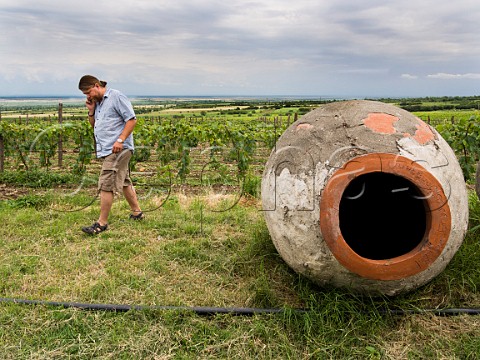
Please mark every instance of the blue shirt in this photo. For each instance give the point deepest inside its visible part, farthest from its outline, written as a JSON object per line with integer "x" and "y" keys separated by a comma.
{"x": 111, "y": 114}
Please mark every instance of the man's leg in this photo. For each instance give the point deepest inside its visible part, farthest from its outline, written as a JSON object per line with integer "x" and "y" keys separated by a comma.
{"x": 106, "y": 186}
{"x": 131, "y": 197}
{"x": 106, "y": 201}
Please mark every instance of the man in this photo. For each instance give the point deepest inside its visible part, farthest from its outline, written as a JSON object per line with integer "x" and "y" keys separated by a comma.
{"x": 112, "y": 117}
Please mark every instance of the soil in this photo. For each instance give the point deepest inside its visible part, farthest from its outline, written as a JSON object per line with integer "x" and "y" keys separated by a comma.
{"x": 11, "y": 192}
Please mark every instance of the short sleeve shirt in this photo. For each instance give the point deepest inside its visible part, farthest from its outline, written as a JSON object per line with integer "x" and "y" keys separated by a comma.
{"x": 111, "y": 115}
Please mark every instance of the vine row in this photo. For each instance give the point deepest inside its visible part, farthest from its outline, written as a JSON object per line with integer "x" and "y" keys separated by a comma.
{"x": 34, "y": 145}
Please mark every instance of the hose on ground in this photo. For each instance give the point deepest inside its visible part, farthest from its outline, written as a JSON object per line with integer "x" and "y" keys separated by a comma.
{"x": 200, "y": 310}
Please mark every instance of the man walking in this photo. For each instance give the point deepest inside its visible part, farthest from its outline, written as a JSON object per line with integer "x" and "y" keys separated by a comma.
{"x": 112, "y": 117}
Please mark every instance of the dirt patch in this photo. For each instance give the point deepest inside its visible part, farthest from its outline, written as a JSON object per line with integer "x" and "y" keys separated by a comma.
{"x": 12, "y": 192}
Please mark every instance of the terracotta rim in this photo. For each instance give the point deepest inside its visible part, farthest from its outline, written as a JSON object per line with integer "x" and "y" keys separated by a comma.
{"x": 437, "y": 214}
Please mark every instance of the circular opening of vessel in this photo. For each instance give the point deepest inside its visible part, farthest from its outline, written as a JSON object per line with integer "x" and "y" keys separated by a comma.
{"x": 382, "y": 216}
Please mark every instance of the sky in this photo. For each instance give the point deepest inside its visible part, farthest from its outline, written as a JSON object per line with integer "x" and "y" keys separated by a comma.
{"x": 337, "y": 48}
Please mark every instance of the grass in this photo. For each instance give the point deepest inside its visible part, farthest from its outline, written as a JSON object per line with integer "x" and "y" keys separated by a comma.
{"x": 185, "y": 254}
{"x": 443, "y": 116}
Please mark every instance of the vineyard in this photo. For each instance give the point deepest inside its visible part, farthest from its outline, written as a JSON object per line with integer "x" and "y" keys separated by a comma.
{"x": 221, "y": 148}
{"x": 194, "y": 145}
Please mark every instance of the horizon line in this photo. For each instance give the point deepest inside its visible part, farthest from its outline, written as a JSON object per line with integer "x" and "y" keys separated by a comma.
{"x": 210, "y": 96}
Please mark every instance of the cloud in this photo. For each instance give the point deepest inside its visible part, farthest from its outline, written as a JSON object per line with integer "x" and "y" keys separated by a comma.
{"x": 446, "y": 76}
{"x": 409, "y": 76}
{"x": 240, "y": 45}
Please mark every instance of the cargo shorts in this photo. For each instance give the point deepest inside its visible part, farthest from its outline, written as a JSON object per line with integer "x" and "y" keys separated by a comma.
{"x": 115, "y": 172}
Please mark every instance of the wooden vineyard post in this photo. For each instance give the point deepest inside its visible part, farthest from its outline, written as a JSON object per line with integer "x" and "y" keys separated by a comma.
{"x": 60, "y": 138}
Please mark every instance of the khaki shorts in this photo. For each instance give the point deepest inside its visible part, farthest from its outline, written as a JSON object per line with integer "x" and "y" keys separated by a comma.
{"x": 115, "y": 172}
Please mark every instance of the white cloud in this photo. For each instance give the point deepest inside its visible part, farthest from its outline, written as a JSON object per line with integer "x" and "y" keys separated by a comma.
{"x": 454, "y": 76}
{"x": 409, "y": 76}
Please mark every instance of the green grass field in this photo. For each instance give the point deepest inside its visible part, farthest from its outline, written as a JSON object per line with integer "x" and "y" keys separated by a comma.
{"x": 186, "y": 254}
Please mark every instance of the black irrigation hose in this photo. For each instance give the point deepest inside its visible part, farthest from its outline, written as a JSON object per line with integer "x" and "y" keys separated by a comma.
{"x": 440, "y": 312}
{"x": 199, "y": 310}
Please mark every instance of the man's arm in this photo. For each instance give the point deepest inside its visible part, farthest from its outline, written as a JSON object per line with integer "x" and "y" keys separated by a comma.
{"x": 91, "y": 111}
{"x": 91, "y": 119}
{"x": 127, "y": 130}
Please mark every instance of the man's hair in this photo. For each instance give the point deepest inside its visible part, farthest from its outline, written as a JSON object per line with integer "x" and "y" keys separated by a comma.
{"x": 89, "y": 81}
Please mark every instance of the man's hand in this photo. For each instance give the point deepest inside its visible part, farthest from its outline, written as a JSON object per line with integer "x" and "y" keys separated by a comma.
{"x": 117, "y": 147}
{"x": 90, "y": 103}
